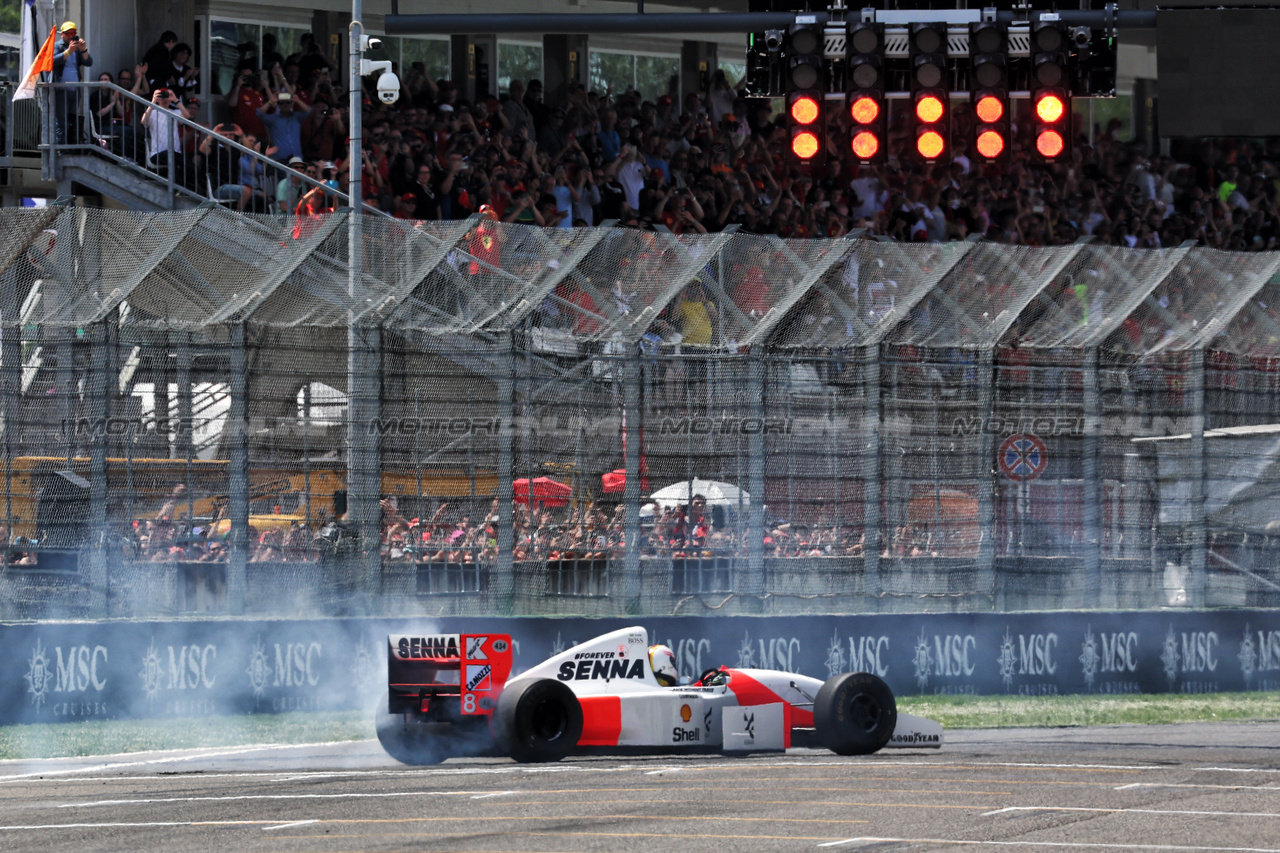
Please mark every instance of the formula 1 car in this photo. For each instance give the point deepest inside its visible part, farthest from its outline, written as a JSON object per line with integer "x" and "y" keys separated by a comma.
{"x": 449, "y": 696}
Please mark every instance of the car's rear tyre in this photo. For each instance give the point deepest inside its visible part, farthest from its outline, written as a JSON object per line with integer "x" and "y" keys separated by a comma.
{"x": 855, "y": 714}
{"x": 411, "y": 740}
{"x": 538, "y": 720}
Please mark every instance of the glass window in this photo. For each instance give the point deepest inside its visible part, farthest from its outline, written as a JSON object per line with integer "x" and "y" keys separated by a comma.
{"x": 733, "y": 70}
{"x": 288, "y": 40}
{"x": 611, "y": 69}
{"x": 653, "y": 75}
{"x": 432, "y": 53}
{"x": 518, "y": 62}
{"x": 229, "y": 43}
{"x": 10, "y": 18}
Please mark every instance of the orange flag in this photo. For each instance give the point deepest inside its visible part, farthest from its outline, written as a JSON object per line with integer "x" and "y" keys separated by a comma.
{"x": 43, "y": 62}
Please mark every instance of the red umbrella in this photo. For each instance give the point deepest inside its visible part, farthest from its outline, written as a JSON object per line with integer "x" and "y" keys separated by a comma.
{"x": 616, "y": 481}
{"x": 545, "y": 491}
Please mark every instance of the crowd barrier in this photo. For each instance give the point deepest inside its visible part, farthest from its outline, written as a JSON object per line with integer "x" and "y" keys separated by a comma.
{"x": 70, "y": 671}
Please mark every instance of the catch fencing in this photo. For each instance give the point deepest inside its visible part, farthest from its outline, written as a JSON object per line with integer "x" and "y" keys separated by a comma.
{"x": 207, "y": 412}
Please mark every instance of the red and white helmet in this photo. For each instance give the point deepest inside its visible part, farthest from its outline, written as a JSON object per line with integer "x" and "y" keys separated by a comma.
{"x": 663, "y": 661}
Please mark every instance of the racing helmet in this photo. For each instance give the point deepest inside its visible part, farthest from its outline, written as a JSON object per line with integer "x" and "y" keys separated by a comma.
{"x": 663, "y": 661}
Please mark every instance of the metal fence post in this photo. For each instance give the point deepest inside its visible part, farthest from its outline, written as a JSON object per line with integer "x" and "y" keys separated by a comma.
{"x": 238, "y": 463}
{"x": 871, "y": 478}
{"x": 985, "y": 570}
{"x": 97, "y": 402}
{"x": 754, "y": 582}
{"x": 1092, "y": 509}
{"x": 364, "y": 466}
{"x": 504, "y": 583}
{"x": 631, "y": 489}
{"x": 1197, "y": 581}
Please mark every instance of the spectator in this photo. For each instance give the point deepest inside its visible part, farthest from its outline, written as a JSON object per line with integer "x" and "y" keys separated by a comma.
{"x": 175, "y": 75}
{"x": 283, "y": 121}
{"x": 159, "y": 56}
{"x": 163, "y": 132}
{"x": 516, "y": 112}
{"x": 222, "y": 162}
{"x": 290, "y": 188}
{"x": 68, "y": 59}
{"x": 248, "y": 94}
{"x": 253, "y": 178}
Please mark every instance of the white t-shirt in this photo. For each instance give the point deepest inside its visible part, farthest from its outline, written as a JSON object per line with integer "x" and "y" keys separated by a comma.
{"x": 631, "y": 176}
{"x": 163, "y": 132}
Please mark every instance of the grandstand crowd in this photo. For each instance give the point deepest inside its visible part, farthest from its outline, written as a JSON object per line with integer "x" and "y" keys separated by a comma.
{"x": 697, "y": 164}
{"x": 585, "y": 531}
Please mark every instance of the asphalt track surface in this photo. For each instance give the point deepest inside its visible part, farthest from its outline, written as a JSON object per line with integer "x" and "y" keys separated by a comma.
{"x": 1199, "y": 787}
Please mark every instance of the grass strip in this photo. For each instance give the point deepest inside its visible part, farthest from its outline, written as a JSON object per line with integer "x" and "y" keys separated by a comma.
{"x": 109, "y": 737}
{"x": 995, "y": 712}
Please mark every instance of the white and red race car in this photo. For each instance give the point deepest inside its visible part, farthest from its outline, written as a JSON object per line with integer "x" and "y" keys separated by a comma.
{"x": 449, "y": 696}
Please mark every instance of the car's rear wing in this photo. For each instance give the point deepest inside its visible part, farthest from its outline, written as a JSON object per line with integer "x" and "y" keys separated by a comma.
{"x": 473, "y": 667}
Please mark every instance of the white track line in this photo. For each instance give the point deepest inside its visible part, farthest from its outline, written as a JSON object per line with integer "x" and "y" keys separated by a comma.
{"x": 288, "y": 825}
{"x": 1127, "y": 811}
{"x": 236, "y": 797}
{"x": 1133, "y": 785}
{"x": 1079, "y": 845}
{"x": 168, "y": 759}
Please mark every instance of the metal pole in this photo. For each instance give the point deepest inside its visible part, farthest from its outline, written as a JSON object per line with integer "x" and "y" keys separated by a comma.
{"x": 364, "y": 348}
{"x": 97, "y": 401}
{"x": 871, "y": 479}
{"x": 504, "y": 583}
{"x": 1090, "y": 474}
{"x": 238, "y": 473}
{"x": 631, "y": 494}
{"x": 754, "y": 583}
{"x": 1197, "y": 581}
{"x": 984, "y": 585}
{"x": 727, "y": 22}
{"x": 714, "y": 22}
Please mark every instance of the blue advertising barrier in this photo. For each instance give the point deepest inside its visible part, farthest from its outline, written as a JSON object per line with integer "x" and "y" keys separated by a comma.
{"x": 70, "y": 671}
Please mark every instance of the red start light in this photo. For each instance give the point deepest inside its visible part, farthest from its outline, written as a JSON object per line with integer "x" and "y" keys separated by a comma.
{"x": 930, "y": 144}
{"x": 804, "y": 145}
{"x": 989, "y": 109}
{"x": 990, "y": 144}
{"x": 865, "y": 110}
{"x": 929, "y": 109}
{"x": 1049, "y": 108}
{"x": 804, "y": 110}
{"x": 1049, "y": 143}
{"x": 865, "y": 145}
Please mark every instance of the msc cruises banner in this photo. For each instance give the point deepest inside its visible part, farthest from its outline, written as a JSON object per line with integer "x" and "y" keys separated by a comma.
{"x": 82, "y": 670}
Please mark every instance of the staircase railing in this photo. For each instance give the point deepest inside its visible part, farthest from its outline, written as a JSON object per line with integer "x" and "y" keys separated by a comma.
{"x": 125, "y": 144}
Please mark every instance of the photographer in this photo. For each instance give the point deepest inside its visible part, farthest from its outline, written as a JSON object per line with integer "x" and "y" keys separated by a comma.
{"x": 163, "y": 133}
{"x": 323, "y": 134}
{"x": 71, "y": 56}
{"x": 247, "y": 95}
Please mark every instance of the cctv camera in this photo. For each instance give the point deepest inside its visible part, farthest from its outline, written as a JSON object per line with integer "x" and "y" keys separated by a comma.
{"x": 388, "y": 88}
{"x": 1081, "y": 36}
{"x": 371, "y": 43}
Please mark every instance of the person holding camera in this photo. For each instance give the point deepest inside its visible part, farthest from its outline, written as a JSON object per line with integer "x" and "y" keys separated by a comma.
{"x": 164, "y": 134}
{"x": 284, "y": 121}
{"x": 70, "y": 57}
{"x": 247, "y": 95}
{"x": 323, "y": 134}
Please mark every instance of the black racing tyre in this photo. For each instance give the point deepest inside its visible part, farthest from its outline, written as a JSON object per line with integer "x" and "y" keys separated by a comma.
{"x": 538, "y": 720}
{"x": 411, "y": 740}
{"x": 854, "y": 714}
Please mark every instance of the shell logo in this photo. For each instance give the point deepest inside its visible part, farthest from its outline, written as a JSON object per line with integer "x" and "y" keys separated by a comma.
{"x": 686, "y": 713}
